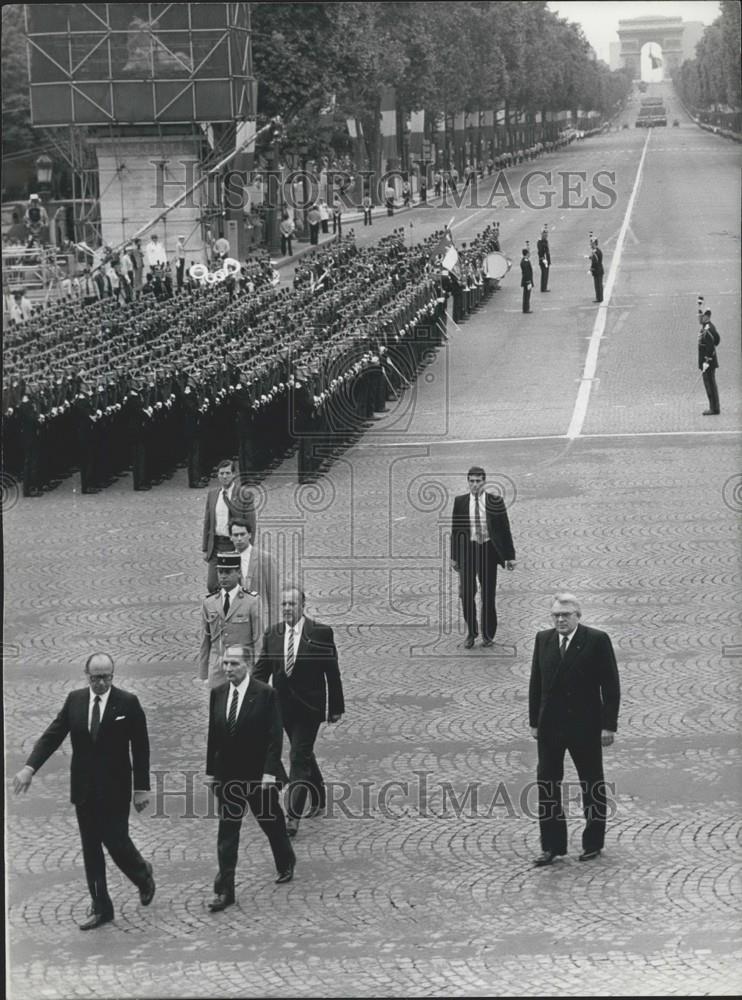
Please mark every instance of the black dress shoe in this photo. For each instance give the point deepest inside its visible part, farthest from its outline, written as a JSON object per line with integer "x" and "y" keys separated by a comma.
{"x": 488, "y": 642}
{"x": 589, "y": 855}
{"x": 469, "y": 642}
{"x": 147, "y": 890}
{"x": 286, "y": 875}
{"x": 545, "y": 858}
{"x": 221, "y": 901}
{"x": 711, "y": 413}
{"x": 97, "y": 920}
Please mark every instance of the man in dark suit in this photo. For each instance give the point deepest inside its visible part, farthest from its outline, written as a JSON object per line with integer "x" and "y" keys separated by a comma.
{"x": 573, "y": 701}
{"x": 596, "y": 268}
{"x": 229, "y": 499}
{"x": 300, "y": 655}
{"x": 243, "y": 767}
{"x": 544, "y": 258}
{"x": 526, "y": 278}
{"x": 108, "y": 730}
{"x": 480, "y": 542}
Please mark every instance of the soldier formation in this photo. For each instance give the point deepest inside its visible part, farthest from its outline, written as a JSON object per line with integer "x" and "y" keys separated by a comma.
{"x": 239, "y": 367}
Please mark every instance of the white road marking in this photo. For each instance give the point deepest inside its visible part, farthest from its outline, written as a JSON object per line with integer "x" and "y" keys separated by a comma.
{"x": 457, "y": 442}
{"x": 591, "y": 361}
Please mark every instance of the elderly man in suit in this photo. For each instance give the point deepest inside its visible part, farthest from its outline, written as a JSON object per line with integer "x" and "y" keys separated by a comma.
{"x": 480, "y": 542}
{"x": 573, "y": 701}
{"x": 258, "y": 573}
{"x": 224, "y": 502}
{"x": 229, "y": 617}
{"x": 243, "y": 763}
{"x": 108, "y": 731}
{"x": 300, "y": 655}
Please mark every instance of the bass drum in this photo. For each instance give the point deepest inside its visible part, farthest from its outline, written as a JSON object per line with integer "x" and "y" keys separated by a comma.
{"x": 496, "y": 265}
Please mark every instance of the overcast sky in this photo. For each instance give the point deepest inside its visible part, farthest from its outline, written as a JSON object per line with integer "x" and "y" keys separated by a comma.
{"x": 600, "y": 20}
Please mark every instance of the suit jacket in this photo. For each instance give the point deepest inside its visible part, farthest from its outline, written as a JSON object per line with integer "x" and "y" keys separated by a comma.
{"x": 241, "y": 627}
{"x": 241, "y": 505}
{"x": 498, "y": 526}
{"x": 526, "y": 273}
{"x": 254, "y": 749}
{"x": 596, "y": 261}
{"x": 100, "y": 770}
{"x": 314, "y": 688}
{"x": 542, "y": 247}
{"x": 262, "y": 579}
{"x": 587, "y": 682}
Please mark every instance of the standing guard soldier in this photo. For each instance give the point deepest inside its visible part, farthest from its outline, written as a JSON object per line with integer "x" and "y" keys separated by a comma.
{"x": 544, "y": 258}
{"x": 526, "y": 278}
{"x": 85, "y": 412}
{"x": 31, "y": 419}
{"x": 596, "y": 267}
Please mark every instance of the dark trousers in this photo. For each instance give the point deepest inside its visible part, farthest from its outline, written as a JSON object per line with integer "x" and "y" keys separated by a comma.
{"x": 101, "y": 826}
{"x": 313, "y": 233}
{"x": 235, "y": 797}
{"x": 544, "y": 277}
{"x": 179, "y": 272}
{"x": 285, "y": 246}
{"x": 305, "y": 776}
{"x": 598, "y": 282}
{"x": 221, "y": 544}
{"x": 479, "y": 564}
{"x": 390, "y": 208}
{"x": 367, "y": 217}
{"x": 587, "y": 756}
{"x": 709, "y": 383}
{"x": 526, "y": 299}
{"x": 337, "y": 224}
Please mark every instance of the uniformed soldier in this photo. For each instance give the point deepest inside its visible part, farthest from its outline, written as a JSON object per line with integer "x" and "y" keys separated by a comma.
{"x": 229, "y": 617}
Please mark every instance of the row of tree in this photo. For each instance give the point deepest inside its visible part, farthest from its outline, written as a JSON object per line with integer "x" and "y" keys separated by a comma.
{"x": 440, "y": 56}
{"x": 714, "y": 77}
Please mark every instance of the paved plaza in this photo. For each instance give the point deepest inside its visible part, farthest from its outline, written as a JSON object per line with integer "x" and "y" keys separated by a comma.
{"x": 419, "y": 881}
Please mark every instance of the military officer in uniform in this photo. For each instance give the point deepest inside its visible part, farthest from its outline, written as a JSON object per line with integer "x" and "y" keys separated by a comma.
{"x": 230, "y": 617}
{"x": 526, "y": 278}
{"x": 544, "y": 258}
{"x": 596, "y": 267}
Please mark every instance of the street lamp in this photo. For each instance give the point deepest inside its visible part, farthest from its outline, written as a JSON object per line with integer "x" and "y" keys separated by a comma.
{"x": 44, "y": 167}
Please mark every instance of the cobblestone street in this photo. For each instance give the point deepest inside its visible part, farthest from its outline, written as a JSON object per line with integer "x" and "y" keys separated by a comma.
{"x": 419, "y": 880}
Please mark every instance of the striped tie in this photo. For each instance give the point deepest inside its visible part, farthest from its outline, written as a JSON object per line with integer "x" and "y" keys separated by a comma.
{"x": 232, "y": 717}
{"x": 290, "y": 653}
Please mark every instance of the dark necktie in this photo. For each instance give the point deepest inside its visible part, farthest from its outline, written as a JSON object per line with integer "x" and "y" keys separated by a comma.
{"x": 478, "y": 522}
{"x": 563, "y": 646}
{"x": 225, "y": 498}
{"x": 290, "y": 653}
{"x": 232, "y": 717}
{"x": 226, "y": 603}
{"x": 95, "y": 720}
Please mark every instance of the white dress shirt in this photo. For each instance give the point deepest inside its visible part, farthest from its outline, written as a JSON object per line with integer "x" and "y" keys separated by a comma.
{"x": 232, "y": 596}
{"x": 481, "y": 499}
{"x": 570, "y": 637}
{"x": 222, "y": 513}
{"x": 103, "y": 703}
{"x": 297, "y": 629}
{"x": 245, "y": 562}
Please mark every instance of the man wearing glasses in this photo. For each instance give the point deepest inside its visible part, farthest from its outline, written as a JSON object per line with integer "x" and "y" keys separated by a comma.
{"x": 108, "y": 731}
{"x": 573, "y": 701}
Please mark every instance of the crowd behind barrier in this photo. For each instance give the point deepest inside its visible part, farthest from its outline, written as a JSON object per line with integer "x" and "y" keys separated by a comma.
{"x": 186, "y": 376}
